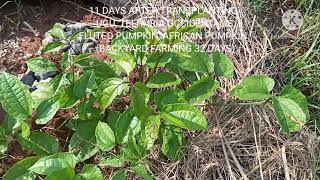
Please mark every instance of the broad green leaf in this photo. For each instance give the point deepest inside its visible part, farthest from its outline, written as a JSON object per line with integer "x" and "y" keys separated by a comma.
{"x": 109, "y": 90}
{"x": 41, "y": 143}
{"x": 124, "y": 60}
{"x": 53, "y": 47}
{"x": 143, "y": 171}
{"x": 150, "y": 130}
{"x": 102, "y": 70}
{"x": 112, "y": 119}
{"x": 83, "y": 140}
{"x": 199, "y": 14}
{"x": 126, "y": 124}
{"x": 41, "y": 65}
{"x": 139, "y": 98}
{"x": 90, "y": 172}
{"x": 55, "y": 162}
{"x": 164, "y": 59}
{"x": 87, "y": 111}
{"x": 184, "y": 116}
{"x": 120, "y": 175}
{"x": 10, "y": 125}
{"x": 67, "y": 174}
{"x": 105, "y": 136}
{"x": 113, "y": 161}
{"x": 59, "y": 25}
{"x": 58, "y": 82}
{"x": 67, "y": 60}
{"x": 25, "y": 129}
{"x": 20, "y": 171}
{"x": 291, "y": 117}
{"x": 42, "y": 93}
{"x": 256, "y": 87}
{"x": 47, "y": 110}
{"x": 201, "y": 90}
{"x": 173, "y": 142}
{"x": 169, "y": 96}
{"x": 58, "y": 32}
{"x": 297, "y": 96}
{"x": 132, "y": 150}
{"x": 4, "y": 140}
{"x": 15, "y": 97}
{"x": 83, "y": 84}
{"x": 162, "y": 80}
{"x": 223, "y": 66}
{"x": 192, "y": 58}
{"x": 67, "y": 98}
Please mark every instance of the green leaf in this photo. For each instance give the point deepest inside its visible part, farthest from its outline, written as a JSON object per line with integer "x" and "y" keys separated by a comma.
{"x": 140, "y": 96}
{"x": 192, "y": 58}
{"x": 126, "y": 124}
{"x": 50, "y": 164}
{"x": 124, "y": 60}
{"x": 83, "y": 140}
{"x": 291, "y": 117}
{"x": 58, "y": 32}
{"x": 114, "y": 161}
{"x": 67, "y": 98}
{"x": 15, "y": 97}
{"x": 143, "y": 171}
{"x": 90, "y": 172}
{"x": 20, "y": 171}
{"x": 165, "y": 58}
{"x": 162, "y": 80}
{"x": 223, "y": 66}
{"x": 58, "y": 82}
{"x": 169, "y": 96}
{"x": 150, "y": 130}
{"x": 47, "y": 110}
{"x": 83, "y": 84}
{"x": 25, "y": 129}
{"x": 67, "y": 174}
{"x": 102, "y": 70}
{"x": 41, "y": 65}
{"x": 105, "y": 136}
{"x": 120, "y": 175}
{"x": 53, "y": 47}
{"x": 41, "y": 143}
{"x": 201, "y": 90}
{"x": 184, "y": 116}
{"x": 67, "y": 60}
{"x": 173, "y": 142}
{"x": 256, "y": 87}
{"x": 109, "y": 90}
{"x": 87, "y": 111}
{"x": 42, "y": 93}
{"x": 10, "y": 125}
{"x": 112, "y": 119}
{"x": 297, "y": 96}
{"x": 199, "y": 14}
{"x": 4, "y": 141}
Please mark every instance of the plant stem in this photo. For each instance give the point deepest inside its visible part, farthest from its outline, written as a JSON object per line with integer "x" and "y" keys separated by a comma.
{"x": 155, "y": 67}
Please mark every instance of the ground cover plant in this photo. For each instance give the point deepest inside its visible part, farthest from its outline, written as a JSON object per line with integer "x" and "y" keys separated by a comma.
{"x": 126, "y": 106}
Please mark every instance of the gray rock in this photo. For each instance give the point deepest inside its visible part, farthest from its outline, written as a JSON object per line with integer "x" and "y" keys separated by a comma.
{"x": 45, "y": 76}
{"x": 88, "y": 47}
{"x": 76, "y": 48}
{"x": 28, "y": 78}
{"x": 73, "y": 28}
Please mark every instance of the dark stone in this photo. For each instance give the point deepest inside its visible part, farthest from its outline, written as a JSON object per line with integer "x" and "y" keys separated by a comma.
{"x": 28, "y": 78}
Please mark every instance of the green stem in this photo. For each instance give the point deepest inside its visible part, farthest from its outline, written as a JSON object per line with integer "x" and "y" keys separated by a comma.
{"x": 155, "y": 67}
